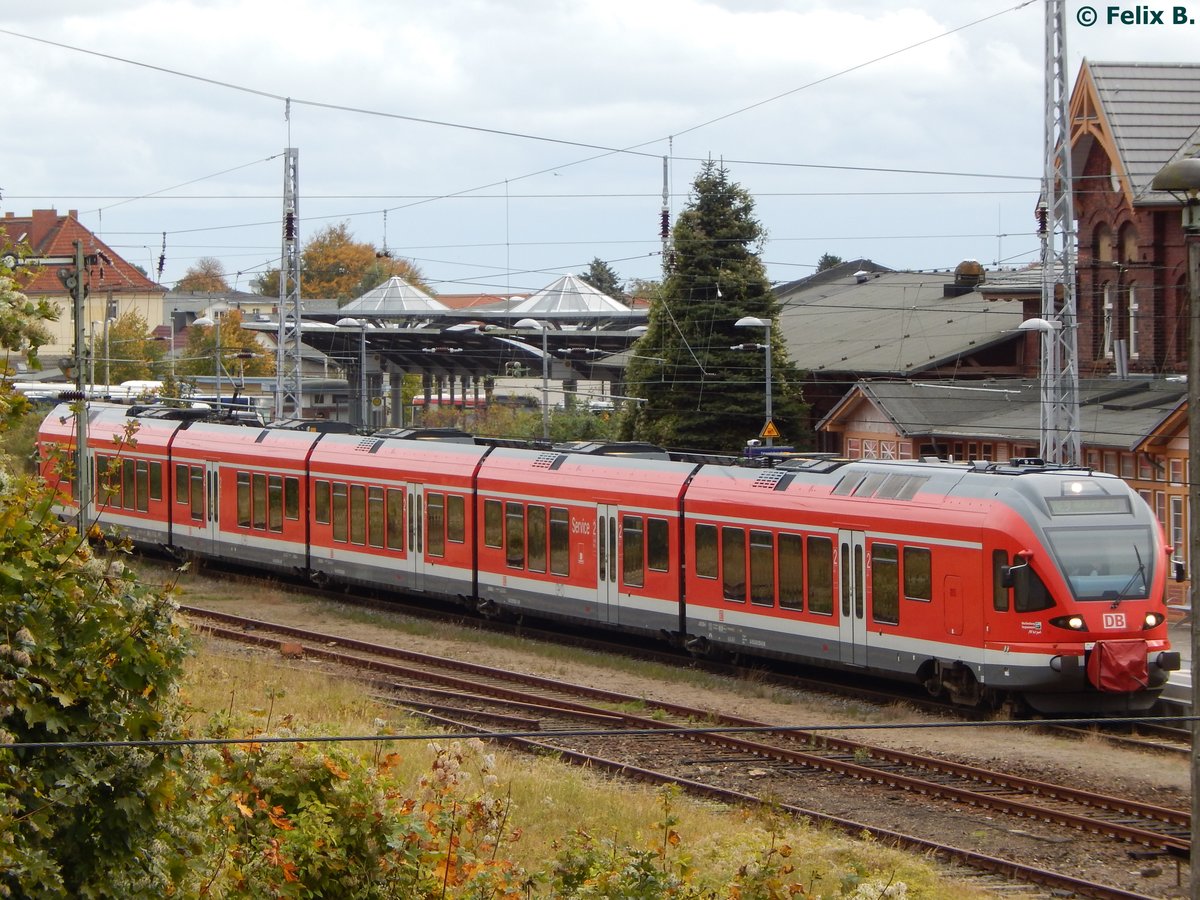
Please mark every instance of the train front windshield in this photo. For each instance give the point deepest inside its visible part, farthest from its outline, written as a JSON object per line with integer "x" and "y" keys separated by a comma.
{"x": 1105, "y": 563}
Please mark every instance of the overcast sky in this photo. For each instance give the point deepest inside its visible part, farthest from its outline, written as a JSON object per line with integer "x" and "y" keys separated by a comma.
{"x": 501, "y": 143}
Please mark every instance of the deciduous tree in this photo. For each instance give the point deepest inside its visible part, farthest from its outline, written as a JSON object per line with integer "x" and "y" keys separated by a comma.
{"x": 207, "y": 275}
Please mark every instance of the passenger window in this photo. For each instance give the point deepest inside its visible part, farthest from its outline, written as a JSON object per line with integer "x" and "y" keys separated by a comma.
{"x": 181, "y": 484}
{"x": 918, "y": 574}
{"x": 633, "y": 552}
{"x": 291, "y": 498}
{"x": 456, "y": 519}
{"x": 435, "y": 524}
{"x": 820, "y": 575}
{"x": 358, "y": 514}
{"x": 156, "y": 480}
{"x": 259, "y": 501}
{"x": 658, "y": 545}
{"x": 493, "y": 524}
{"x": 705, "y": 562}
{"x": 321, "y": 502}
{"x": 375, "y": 517}
{"x": 762, "y": 568}
{"x": 791, "y": 572}
{"x": 395, "y": 519}
{"x": 340, "y": 524}
{"x": 560, "y": 541}
{"x": 885, "y": 584}
{"x": 197, "y": 493}
{"x": 733, "y": 563}
{"x": 243, "y": 499}
{"x": 514, "y": 535}
{"x": 536, "y": 525}
{"x": 275, "y": 503}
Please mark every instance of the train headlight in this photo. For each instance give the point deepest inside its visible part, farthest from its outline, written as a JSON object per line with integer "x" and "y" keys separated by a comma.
{"x": 1071, "y": 623}
{"x": 1153, "y": 619}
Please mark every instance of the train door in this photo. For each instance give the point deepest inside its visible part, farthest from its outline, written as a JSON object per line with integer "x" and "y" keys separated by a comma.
{"x": 416, "y": 535}
{"x": 212, "y": 516}
{"x": 852, "y": 552}
{"x": 607, "y": 567}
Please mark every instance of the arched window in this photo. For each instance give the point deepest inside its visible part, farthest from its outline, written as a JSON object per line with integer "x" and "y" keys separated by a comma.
{"x": 1106, "y": 318}
{"x": 1131, "y": 310}
{"x": 1128, "y": 251}
{"x": 1102, "y": 244}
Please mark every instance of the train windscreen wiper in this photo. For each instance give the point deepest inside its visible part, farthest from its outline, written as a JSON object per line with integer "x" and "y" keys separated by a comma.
{"x": 1140, "y": 573}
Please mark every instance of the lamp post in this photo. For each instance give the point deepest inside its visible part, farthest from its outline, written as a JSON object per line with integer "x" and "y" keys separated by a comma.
{"x": 1182, "y": 177}
{"x": 1047, "y": 379}
{"x": 350, "y": 322}
{"x": 534, "y": 323}
{"x": 755, "y": 322}
{"x": 214, "y": 321}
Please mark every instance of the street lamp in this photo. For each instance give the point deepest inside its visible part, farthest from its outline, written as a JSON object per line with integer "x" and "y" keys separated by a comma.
{"x": 768, "y": 431}
{"x": 214, "y": 321}
{"x": 534, "y": 323}
{"x": 350, "y": 322}
{"x": 1046, "y": 380}
{"x": 1182, "y": 178}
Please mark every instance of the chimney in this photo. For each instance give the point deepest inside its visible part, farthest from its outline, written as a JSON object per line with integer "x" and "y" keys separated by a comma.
{"x": 968, "y": 275}
{"x": 41, "y": 224}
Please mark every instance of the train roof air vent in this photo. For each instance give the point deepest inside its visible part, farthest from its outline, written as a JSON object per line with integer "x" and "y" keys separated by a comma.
{"x": 549, "y": 460}
{"x": 369, "y": 445}
{"x": 774, "y": 479}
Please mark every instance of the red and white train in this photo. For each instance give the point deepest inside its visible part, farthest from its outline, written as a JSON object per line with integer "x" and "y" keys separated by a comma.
{"x": 984, "y": 582}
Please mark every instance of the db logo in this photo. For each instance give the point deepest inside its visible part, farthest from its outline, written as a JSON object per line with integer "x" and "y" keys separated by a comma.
{"x": 1114, "y": 621}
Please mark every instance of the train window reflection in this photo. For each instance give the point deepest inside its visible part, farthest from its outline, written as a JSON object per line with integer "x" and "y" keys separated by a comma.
{"x": 706, "y": 551}
{"x": 1104, "y": 563}
{"x": 820, "y": 575}
{"x": 395, "y": 519}
{"x": 560, "y": 536}
{"x": 321, "y": 502}
{"x": 493, "y": 524}
{"x": 791, "y": 572}
{"x": 536, "y": 529}
{"x": 658, "y": 545}
{"x": 762, "y": 568}
{"x": 633, "y": 551}
{"x": 435, "y": 524}
{"x": 514, "y": 535}
{"x": 456, "y": 519}
{"x": 339, "y": 512}
{"x": 885, "y": 584}
{"x": 733, "y": 563}
{"x": 918, "y": 573}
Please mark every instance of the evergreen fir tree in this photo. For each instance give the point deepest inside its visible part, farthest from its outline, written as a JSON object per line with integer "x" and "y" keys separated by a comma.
{"x": 699, "y": 392}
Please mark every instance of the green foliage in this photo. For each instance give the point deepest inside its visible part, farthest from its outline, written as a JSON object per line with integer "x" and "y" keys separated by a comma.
{"x": 828, "y": 261}
{"x": 207, "y": 275}
{"x": 130, "y": 352}
{"x": 603, "y": 277}
{"x": 87, "y": 654}
{"x": 700, "y": 393}
{"x": 241, "y": 354}
{"x": 315, "y": 821}
{"x": 335, "y": 266}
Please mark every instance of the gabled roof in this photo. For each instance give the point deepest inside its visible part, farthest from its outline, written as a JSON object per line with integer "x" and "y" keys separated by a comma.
{"x": 1113, "y": 413}
{"x": 569, "y": 297}
{"x": 48, "y": 234}
{"x": 890, "y": 323}
{"x": 1144, "y": 115}
{"x": 395, "y": 297}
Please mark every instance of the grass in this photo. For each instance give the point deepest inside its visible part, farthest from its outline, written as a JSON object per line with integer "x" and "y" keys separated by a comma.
{"x": 550, "y": 800}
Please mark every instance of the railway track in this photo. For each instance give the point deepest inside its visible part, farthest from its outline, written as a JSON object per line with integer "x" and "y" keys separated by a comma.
{"x": 744, "y": 761}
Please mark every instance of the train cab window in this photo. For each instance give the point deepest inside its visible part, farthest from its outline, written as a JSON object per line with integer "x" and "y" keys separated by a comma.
{"x": 260, "y": 501}
{"x": 633, "y": 551}
{"x": 733, "y": 563}
{"x": 358, "y": 514}
{"x": 918, "y": 574}
{"x": 435, "y": 524}
{"x": 514, "y": 535}
{"x": 705, "y": 563}
{"x": 291, "y": 497}
{"x": 375, "y": 517}
{"x": 658, "y": 545}
{"x": 791, "y": 571}
{"x": 1029, "y": 591}
{"x": 275, "y": 503}
{"x": 560, "y": 541}
{"x": 535, "y": 525}
{"x": 339, "y": 511}
{"x": 493, "y": 524}
{"x": 321, "y": 502}
{"x": 395, "y": 519}
{"x": 820, "y": 575}
{"x": 762, "y": 568}
{"x": 243, "y": 499}
{"x": 197, "y": 493}
{"x": 885, "y": 584}
{"x": 999, "y": 591}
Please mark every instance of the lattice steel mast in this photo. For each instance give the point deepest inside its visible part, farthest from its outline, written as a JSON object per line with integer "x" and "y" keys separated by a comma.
{"x": 289, "y": 384}
{"x": 1060, "y": 351}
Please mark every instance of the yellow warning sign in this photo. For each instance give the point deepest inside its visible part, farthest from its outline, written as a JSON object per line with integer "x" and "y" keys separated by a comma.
{"x": 769, "y": 430}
